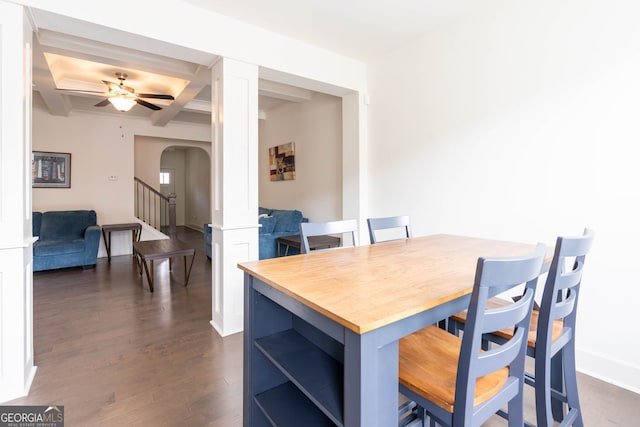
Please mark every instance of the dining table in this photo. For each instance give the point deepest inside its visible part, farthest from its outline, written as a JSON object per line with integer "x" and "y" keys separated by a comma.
{"x": 321, "y": 330}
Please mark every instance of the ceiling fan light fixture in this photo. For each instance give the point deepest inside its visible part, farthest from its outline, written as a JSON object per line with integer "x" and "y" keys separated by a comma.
{"x": 121, "y": 103}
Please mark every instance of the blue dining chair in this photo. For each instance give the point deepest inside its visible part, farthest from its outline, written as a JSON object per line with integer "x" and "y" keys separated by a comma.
{"x": 311, "y": 229}
{"x": 387, "y": 223}
{"x": 455, "y": 382}
{"x": 400, "y": 228}
{"x": 551, "y": 339}
{"x": 558, "y": 308}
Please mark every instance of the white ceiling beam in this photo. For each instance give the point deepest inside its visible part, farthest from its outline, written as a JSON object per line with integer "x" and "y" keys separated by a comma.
{"x": 198, "y": 106}
{"x": 45, "y": 20}
{"x": 281, "y": 91}
{"x": 56, "y": 102}
{"x": 199, "y": 80}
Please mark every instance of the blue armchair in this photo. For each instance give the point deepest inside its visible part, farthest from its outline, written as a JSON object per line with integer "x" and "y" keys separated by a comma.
{"x": 65, "y": 239}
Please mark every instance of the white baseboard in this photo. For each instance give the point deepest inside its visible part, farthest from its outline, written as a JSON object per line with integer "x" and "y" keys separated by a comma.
{"x": 616, "y": 372}
{"x": 195, "y": 227}
{"x": 225, "y": 332}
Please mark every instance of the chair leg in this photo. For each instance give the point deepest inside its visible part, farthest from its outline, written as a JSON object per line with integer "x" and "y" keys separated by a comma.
{"x": 411, "y": 415}
{"x": 571, "y": 384}
{"x": 516, "y": 409}
{"x": 556, "y": 387}
{"x": 452, "y": 327}
{"x": 543, "y": 391}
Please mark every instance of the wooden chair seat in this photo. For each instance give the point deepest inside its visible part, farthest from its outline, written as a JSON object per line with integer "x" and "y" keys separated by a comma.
{"x": 432, "y": 374}
{"x": 461, "y": 317}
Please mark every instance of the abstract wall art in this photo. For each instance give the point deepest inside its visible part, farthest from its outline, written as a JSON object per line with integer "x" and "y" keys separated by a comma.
{"x": 282, "y": 165}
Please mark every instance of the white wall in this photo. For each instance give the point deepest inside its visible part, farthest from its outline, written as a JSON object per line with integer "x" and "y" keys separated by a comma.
{"x": 520, "y": 121}
{"x": 176, "y": 160}
{"x": 198, "y": 188}
{"x": 102, "y": 146}
{"x": 315, "y": 127}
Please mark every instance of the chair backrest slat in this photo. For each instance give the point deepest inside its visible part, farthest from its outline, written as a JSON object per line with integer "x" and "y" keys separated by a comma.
{"x": 386, "y": 223}
{"x": 564, "y": 307}
{"x": 310, "y": 229}
{"x": 570, "y": 278}
{"x": 498, "y": 319}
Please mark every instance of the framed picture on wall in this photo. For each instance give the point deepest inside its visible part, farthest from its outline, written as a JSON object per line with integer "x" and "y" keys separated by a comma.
{"x": 282, "y": 164}
{"x": 50, "y": 170}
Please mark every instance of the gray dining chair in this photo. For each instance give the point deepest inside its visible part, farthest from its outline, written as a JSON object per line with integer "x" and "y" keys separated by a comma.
{"x": 342, "y": 227}
{"x": 388, "y": 223}
{"x": 438, "y": 369}
{"x": 552, "y": 335}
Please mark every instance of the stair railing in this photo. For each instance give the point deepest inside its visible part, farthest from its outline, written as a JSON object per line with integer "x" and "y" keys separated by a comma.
{"x": 154, "y": 208}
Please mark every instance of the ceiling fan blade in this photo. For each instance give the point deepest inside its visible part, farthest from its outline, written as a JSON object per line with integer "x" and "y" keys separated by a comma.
{"x": 111, "y": 85}
{"x": 148, "y": 104}
{"x": 156, "y": 96}
{"x": 102, "y": 103}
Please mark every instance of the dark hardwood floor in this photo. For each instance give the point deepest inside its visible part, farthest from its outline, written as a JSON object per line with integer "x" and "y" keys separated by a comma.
{"x": 115, "y": 354}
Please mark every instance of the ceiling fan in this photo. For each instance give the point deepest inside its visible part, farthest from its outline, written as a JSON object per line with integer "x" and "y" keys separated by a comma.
{"x": 122, "y": 97}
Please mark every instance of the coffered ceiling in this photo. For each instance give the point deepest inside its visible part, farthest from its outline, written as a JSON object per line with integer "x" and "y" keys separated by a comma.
{"x": 62, "y": 61}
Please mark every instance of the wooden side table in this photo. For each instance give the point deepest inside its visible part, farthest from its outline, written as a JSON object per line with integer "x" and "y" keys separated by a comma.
{"x": 134, "y": 227}
{"x": 150, "y": 250}
{"x": 315, "y": 242}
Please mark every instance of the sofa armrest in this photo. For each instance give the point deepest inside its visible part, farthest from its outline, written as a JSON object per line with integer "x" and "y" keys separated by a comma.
{"x": 207, "y": 240}
{"x": 92, "y": 243}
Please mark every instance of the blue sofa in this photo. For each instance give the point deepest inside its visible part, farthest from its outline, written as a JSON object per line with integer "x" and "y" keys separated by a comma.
{"x": 65, "y": 239}
{"x": 277, "y": 223}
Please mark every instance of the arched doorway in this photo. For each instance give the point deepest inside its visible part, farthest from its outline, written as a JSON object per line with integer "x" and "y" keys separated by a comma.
{"x": 188, "y": 164}
{"x": 186, "y": 172}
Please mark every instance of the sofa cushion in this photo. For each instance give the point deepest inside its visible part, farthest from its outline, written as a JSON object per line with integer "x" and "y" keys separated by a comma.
{"x": 58, "y": 247}
{"x": 58, "y": 225}
{"x": 287, "y": 220}
{"x": 268, "y": 224}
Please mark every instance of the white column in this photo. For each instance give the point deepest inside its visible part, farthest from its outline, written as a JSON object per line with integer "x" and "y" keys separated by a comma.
{"x": 354, "y": 161}
{"x": 235, "y": 187}
{"x": 16, "y": 287}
